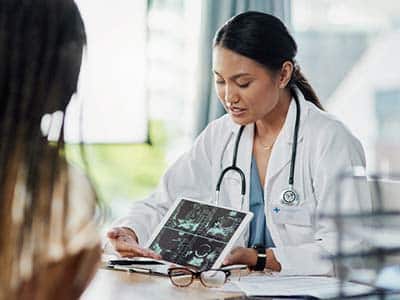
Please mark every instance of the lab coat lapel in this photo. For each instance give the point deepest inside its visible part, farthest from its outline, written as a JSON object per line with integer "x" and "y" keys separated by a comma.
{"x": 282, "y": 151}
{"x": 280, "y": 157}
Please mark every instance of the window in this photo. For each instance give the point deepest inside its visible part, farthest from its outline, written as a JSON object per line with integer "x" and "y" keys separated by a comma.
{"x": 349, "y": 49}
{"x": 387, "y": 112}
{"x": 174, "y": 28}
{"x": 159, "y": 85}
{"x": 111, "y": 104}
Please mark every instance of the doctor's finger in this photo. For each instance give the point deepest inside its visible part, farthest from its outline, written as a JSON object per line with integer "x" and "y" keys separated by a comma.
{"x": 128, "y": 254}
{"x": 113, "y": 233}
{"x": 122, "y": 246}
{"x": 239, "y": 255}
{"x": 144, "y": 253}
{"x": 124, "y": 233}
{"x": 125, "y": 252}
{"x": 123, "y": 240}
{"x": 121, "y": 237}
{"x": 138, "y": 252}
{"x": 135, "y": 250}
{"x": 229, "y": 260}
{"x": 130, "y": 247}
{"x": 152, "y": 254}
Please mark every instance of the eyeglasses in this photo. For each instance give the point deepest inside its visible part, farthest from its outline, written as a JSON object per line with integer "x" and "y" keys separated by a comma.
{"x": 183, "y": 277}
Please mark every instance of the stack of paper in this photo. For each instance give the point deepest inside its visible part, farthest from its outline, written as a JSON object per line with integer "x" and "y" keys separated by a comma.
{"x": 320, "y": 287}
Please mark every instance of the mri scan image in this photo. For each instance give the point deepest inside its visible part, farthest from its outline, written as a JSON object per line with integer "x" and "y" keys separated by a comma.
{"x": 196, "y": 234}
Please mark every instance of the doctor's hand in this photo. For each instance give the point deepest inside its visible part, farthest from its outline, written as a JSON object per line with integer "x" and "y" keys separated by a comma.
{"x": 125, "y": 242}
{"x": 248, "y": 256}
{"x": 241, "y": 255}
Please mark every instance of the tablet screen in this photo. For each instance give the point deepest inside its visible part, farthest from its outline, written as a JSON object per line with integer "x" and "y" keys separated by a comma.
{"x": 196, "y": 233}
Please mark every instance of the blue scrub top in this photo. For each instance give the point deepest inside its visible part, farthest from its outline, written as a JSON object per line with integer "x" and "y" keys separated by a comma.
{"x": 259, "y": 233}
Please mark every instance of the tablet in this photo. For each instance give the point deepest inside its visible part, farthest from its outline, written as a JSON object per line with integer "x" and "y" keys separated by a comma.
{"x": 198, "y": 234}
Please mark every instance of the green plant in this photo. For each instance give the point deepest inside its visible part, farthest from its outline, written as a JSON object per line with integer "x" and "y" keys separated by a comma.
{"x": 124, "y": 171}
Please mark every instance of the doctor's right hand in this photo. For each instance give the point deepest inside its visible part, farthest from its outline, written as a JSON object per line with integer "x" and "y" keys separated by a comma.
{"x": 125, "y": 242}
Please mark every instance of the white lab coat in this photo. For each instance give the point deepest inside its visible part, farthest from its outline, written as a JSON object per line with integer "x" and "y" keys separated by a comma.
{"x": 325, "y": 148}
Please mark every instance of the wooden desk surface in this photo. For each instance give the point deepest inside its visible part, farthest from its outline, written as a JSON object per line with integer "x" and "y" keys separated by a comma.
{"x": 108, "y": 284}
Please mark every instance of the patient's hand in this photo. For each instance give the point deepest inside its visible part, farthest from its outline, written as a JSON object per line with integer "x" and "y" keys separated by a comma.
{"x": 125, "y": 242}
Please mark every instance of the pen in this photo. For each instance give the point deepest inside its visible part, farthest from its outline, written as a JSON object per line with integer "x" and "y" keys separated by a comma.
{"x": 127, "y": 262}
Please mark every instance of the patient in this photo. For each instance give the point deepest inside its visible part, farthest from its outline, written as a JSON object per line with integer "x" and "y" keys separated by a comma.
{"x": 49, "y": 246}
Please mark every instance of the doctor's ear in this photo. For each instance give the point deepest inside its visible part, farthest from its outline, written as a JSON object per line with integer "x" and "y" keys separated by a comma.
{"x": 285, "y": 74}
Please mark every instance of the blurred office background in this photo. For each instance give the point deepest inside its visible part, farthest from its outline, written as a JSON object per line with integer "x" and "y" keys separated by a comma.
{"x": 146, "y": 88}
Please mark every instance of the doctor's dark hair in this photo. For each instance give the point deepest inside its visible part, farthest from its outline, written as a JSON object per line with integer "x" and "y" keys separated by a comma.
{"x": 266, "y": 40}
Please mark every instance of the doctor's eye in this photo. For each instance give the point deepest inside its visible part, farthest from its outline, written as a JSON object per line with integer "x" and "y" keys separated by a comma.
{"x": 244, "y": 85}
{"x": 219, "y": 82}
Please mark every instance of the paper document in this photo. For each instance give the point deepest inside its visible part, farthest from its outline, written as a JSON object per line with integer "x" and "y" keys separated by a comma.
{"x": 320, "y": 287}
{"x": 229, "y": 287}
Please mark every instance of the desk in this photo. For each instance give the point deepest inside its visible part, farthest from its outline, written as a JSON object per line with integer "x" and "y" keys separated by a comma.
{"x": 108, "y": 284}
{"x": 118, "y": 285}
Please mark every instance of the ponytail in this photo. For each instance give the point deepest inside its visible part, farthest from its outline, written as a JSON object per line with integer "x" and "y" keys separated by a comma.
{"x": 265, "y": 39}
{"x": 299, "y": 81}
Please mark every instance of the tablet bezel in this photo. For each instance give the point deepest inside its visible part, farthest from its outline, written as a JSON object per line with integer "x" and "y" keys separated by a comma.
{"x": 228, "y": 246}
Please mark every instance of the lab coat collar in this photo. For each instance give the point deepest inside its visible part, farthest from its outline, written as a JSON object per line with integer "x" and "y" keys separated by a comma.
{"x": 282, "y": 150}
{"x": 288, "y": 127}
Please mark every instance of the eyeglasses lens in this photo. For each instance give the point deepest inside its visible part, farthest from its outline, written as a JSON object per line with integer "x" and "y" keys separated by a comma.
{"x": 181, "y": 277}
{"x": 213, "y": 278}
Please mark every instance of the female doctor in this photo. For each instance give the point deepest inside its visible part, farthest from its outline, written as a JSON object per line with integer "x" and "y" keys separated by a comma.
{"x": 260, "y": 85}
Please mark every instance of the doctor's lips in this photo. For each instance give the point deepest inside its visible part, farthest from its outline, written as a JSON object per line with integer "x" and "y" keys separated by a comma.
{"x": 236, "y": 111}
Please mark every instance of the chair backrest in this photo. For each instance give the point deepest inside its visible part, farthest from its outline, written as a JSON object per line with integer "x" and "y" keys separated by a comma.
{"x": 389, "y": 198}
{"x": 389, "y": 191}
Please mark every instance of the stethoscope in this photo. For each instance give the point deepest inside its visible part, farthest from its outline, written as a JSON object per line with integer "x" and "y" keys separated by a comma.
{"x": 289, "y": 195}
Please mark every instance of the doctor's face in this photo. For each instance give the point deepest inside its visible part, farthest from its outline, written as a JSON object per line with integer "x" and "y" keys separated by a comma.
{"x": 248, "y": 91}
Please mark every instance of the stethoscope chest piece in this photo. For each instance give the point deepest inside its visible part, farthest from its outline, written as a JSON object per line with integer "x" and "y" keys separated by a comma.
{"x": 289, "y": 197}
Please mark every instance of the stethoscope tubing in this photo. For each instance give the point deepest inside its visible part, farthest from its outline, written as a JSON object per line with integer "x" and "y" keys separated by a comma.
{"x": 295, "y": 136}
{"x": 235, "y": 168}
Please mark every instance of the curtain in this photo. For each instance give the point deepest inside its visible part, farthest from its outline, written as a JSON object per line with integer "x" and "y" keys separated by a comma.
{"x": 214, "y": 14}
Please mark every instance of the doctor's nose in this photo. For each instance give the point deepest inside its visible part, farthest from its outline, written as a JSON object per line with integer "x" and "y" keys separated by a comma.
{"x": 230, "y": 98}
